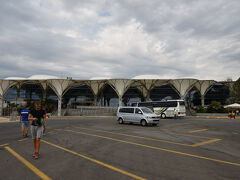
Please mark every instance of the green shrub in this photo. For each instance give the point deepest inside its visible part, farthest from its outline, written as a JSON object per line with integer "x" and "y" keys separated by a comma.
{"x": 216, "y": 107}
{"x": 200, "y": 109}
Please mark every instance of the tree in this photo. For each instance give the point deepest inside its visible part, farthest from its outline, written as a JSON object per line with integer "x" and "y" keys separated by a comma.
{"x": 236, "y": 90}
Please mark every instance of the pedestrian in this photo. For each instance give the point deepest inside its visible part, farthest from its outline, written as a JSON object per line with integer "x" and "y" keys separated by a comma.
{"x": 38, "y": 118}
{"x": 175, "y": 113}
{"x": 233, "y": 114}
{"x": 237, "y": 112}
{"x": 229, "y": 114}
{"x": 24, "y": 121}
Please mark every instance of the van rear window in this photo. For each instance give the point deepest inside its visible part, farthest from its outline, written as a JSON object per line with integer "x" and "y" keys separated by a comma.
{"x": 126, "y": 110}
{"x": 182, "y": 103}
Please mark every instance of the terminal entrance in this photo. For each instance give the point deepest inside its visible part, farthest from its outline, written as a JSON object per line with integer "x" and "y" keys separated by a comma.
{"x": 107, "y": 97}
{"x": 132, "y": 95}
{"x": 164, "y": 92}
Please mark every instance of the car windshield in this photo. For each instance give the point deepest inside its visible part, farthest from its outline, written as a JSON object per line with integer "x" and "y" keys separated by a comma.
{"x": 147, "y": 110}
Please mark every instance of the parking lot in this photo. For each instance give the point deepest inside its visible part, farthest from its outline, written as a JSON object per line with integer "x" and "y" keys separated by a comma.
{"x": 100, "y": 148}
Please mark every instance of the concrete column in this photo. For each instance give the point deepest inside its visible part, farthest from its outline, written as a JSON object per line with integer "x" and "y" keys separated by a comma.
{"x": 44, "y": 94}
{"x": 101, "y": 99}
{"x": 146, "y": 96}
{"x": 1, "y": 106}
{"x": 182, "y": 97}
{"x": 95, "y": 100}
{"x": 120, "y": 101}
{"x": 59, "y": 105}
{"x": 202, "y": 100}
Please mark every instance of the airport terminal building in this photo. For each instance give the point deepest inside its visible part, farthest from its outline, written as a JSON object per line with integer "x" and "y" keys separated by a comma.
{"x": 73, "y": 93}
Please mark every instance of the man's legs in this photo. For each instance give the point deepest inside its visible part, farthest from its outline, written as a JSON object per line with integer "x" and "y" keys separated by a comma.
{"x": 27, "y": 129}
{"x": 37, "y": 145}
{"x": 39, "y": 131}
{"x": 22, "y": 130}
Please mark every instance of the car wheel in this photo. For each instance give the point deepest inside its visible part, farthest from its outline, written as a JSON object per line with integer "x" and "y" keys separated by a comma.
{"x": 143, "y": 122}
{"x": 163, "y": 116}
{"x": 120, "y": 121}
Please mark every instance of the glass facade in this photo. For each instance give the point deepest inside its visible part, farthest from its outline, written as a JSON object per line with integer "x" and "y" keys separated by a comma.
{"x": 132, "y": 95}
{"x": 79, "y": 95}
{"x": 217, "y": 92}
{"x": 193, "y": 97}
{"x": 15, "y": 99}
{"x": 51, "y": 100}
{"x": 27, "y": 92}
{"x": 108, "y": 97}
{"x": 163, "y": 92}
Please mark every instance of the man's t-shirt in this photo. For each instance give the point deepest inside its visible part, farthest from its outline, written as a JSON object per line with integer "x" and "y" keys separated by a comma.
{"x": 39, "y": 114}
{"x": 24, "y": 113}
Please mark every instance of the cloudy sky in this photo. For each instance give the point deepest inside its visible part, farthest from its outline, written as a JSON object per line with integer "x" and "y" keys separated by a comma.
{"x": 120, "y": 38}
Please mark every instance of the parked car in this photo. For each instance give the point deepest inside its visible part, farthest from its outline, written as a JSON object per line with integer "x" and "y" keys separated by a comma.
{"x": 137, "y": 115}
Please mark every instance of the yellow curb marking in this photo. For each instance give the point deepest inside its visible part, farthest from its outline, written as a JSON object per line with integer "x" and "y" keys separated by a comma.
{"x": 200, "y": 130}
{"x": 3, "y": 145}
{"x": 157, "y": 148}
{"x": 28, "y": 164}
{"x": 96, "y": 161}
{"x": 204, "y": 137}
{"x": 151, "y": 139}
{"x": 23, "y": 139}
{"x": 140, "y": 137}
{"x": 205, "y": 142}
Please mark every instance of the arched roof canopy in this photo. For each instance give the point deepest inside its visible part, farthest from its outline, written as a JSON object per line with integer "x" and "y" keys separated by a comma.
{"x": 183, "y": 85}
{"x": 204, "y": 85}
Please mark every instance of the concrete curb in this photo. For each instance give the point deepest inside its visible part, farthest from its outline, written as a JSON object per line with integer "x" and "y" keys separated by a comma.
{"x": 4, "y": 120}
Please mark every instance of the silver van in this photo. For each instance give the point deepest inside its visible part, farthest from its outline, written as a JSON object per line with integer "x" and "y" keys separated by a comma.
{"x": 138, "y": 115}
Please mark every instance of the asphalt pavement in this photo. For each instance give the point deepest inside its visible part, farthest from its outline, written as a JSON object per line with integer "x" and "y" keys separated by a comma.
{"x": 100, "y": 148}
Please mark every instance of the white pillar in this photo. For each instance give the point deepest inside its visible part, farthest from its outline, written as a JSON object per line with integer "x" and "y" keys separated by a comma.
{"x": 202, "y": 100}
{"x": 1, "y": 106}
{"x": 59, "y": 105}
{"x": 148, "y": 96}
{"x": 182, "y": 97}
{"x": 44, "y": 94}
{"x": 120, "y": 101}
{"x": 95, "y": 100}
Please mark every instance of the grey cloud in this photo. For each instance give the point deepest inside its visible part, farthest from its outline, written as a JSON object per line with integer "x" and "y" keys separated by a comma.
{"x": 57, "y": 38}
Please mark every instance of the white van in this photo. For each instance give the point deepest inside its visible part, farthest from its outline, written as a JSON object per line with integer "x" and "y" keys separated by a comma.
{"x": 138, "y": 115}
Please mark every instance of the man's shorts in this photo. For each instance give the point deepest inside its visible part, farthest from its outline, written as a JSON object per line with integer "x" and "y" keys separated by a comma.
{"x": 25, "y": 124}
{"x": 36, "y": 131}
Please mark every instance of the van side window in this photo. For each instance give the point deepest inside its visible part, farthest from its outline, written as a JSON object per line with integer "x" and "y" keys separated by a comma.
{"x": 126, "y": 110}
{"x": 137, "y": 110}
{"x": 130, "y": 110}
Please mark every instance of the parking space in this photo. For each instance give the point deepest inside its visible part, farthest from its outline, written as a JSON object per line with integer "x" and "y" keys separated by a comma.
{"x": 100, "y": 148}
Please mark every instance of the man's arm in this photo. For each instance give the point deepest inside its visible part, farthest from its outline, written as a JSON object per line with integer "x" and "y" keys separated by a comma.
{"x": 20, "y": 118}
{"x": 31, "y": 118}
{"x": 44, "y": 118}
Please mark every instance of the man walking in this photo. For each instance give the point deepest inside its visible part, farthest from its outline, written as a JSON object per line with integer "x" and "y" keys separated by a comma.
{"x": 24, "y": 121}
{"x": 38, "y": 118}
{"x": 175, "y": 114}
